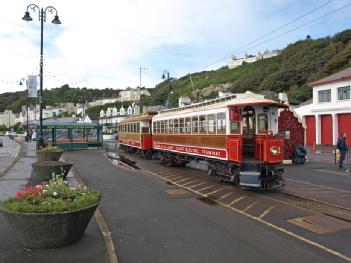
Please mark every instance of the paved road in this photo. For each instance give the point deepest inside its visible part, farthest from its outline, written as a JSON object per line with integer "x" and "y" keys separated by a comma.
{"x": 6, "y": 152}
{"x": 152, "y": 221}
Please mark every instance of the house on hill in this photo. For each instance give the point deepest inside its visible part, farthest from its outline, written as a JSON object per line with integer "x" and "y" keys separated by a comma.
{"x": 328, "y": 114}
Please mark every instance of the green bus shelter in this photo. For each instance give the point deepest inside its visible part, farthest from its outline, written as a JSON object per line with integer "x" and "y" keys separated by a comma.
{"x": 72, "y": 136}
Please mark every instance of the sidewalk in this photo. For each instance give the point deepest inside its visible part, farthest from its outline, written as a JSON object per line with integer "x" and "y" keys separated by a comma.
{"x": 91, "y": 248}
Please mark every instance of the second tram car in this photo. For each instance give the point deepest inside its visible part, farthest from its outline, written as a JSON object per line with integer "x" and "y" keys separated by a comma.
{"x": 237, "y": 135}
{"x": 135, "y": 134}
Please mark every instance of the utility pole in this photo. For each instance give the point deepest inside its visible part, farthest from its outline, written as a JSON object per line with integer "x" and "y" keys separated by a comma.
{"x": 140, "y": 69}
{"x": 141, "y": 100}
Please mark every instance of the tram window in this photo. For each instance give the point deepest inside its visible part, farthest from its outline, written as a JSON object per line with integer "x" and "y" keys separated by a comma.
{"x": 166, "y": 126}
{"x": 235, "y": 127}
{"x": 181, "y": 125}
{"x": 221, "y": 123}
{"x": 176, "y": 126}
{"x": 187, "y": 125}
{"x": 170, "y": 126}
{"x": 158, "y": 127}
{"x": 203, "y": 124}
{"x": 195, "y": 124}
{"x": 262, "y": 122}
{"x": 162, "y": 126}
{"x": 211, "y": 123}
{"x": 153, "y": 128}
{"x": 138, "y": 127}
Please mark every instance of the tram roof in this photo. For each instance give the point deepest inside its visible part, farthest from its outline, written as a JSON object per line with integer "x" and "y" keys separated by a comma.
{"x": 240, "y": 99}
{"x": 144, "y": 117}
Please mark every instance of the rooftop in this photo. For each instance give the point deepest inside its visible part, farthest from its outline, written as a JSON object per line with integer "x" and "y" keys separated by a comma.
{"x": 338, "y": 76}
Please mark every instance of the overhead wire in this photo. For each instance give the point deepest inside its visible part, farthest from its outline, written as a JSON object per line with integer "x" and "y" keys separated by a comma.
{"x": 249, "y": 45}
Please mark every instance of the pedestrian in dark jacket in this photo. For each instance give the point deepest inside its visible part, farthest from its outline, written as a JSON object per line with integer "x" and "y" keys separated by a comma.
{"x": 341, "y": 145}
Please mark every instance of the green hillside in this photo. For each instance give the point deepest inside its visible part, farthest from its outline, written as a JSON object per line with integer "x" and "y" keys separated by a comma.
{"x": 298, "y": 64}
{"x": 14, "y": 100}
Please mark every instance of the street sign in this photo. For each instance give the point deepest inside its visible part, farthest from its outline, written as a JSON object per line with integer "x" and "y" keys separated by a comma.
{"x": 32, "y": 86}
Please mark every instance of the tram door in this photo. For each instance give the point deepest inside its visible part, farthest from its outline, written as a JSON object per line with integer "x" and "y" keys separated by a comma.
{"x": 249, "y": 129}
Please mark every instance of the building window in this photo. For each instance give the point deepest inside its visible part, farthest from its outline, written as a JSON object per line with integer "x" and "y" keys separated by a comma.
{"x": 344, "y": 93}
{"x": 324, "y": 95}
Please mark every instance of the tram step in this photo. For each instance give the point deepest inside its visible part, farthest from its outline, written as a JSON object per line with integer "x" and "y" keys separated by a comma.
{"x": 250, "y": 178}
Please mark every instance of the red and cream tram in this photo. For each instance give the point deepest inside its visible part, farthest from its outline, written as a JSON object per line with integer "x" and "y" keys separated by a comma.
{"x": 237, "y": 135}
{"x": 135, "y": 134}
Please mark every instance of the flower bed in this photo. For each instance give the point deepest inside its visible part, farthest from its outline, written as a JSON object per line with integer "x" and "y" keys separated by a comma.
{"x": 51, "y": 215}
{"x": 49, "y": 153}
{"x": 56, "y": 196}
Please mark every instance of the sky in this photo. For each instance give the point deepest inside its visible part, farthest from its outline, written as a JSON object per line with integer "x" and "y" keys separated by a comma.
{"x": 102, "y": 44}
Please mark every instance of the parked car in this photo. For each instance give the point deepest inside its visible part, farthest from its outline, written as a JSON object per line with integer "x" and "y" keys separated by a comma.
{"x": 1, "y": 143}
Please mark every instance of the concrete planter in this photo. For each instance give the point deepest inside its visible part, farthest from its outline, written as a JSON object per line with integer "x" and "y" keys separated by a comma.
{"x": 49, "y": 230}
{"x": 44, "y": 170}
{"x": 48, "y": 156}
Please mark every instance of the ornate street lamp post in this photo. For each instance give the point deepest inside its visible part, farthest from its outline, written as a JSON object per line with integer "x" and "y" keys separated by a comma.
{"x": 166, "y": 73}
{"x": 42, "y": 18}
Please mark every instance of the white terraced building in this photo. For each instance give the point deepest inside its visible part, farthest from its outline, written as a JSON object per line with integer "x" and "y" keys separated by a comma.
{"x": 328, "y": 114}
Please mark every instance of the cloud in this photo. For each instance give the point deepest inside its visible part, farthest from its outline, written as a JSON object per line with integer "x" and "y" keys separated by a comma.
{"x": 102, "y": 43}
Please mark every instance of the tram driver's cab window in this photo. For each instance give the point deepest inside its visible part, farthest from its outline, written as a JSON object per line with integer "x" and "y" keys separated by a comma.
{"x": 262, "y": 122}
{"x": 221, "y": 123}
{"x": 145, "y": 127}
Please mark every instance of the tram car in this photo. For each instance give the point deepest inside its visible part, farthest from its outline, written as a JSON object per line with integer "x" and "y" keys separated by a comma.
{"x": 237, "y": 135}
{"x": 134, "y": 135}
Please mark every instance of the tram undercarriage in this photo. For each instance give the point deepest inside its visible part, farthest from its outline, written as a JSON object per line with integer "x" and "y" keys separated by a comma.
{"x": 250, "y": 175}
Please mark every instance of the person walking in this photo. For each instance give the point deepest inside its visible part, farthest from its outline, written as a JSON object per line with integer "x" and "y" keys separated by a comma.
{"x": 342, "y": 146}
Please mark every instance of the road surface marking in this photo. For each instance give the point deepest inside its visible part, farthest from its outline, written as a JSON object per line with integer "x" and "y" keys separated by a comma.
{"x": 172, "y": 176}
{"x": 190, "y": 182}
{"x": 333, "y": 172}
{"x": 237, "y": 200}
{"x": 250, "y": 206}
{"x": 322, "y": 186}
{"x": 266, "y": 212}
{"x": 207, "y": 187}
{"x": 226, "y": 195}
{"x": 182, "y": 180}
{"x": 197, "y": 184}
{"x": 215, "y": 191}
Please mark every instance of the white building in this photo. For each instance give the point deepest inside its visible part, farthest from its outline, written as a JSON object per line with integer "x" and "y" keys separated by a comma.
{"x": 102, "y": 102}
{"x": 132, "y": 94}
{"x": 328, "y": 114}
{"x": 236, "y": 62}
{"x": 110, "y": 117}
{"x": 7, "y": 118}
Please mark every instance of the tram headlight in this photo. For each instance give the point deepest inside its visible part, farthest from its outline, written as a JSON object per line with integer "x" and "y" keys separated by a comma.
{"x": 274, "y": 150}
